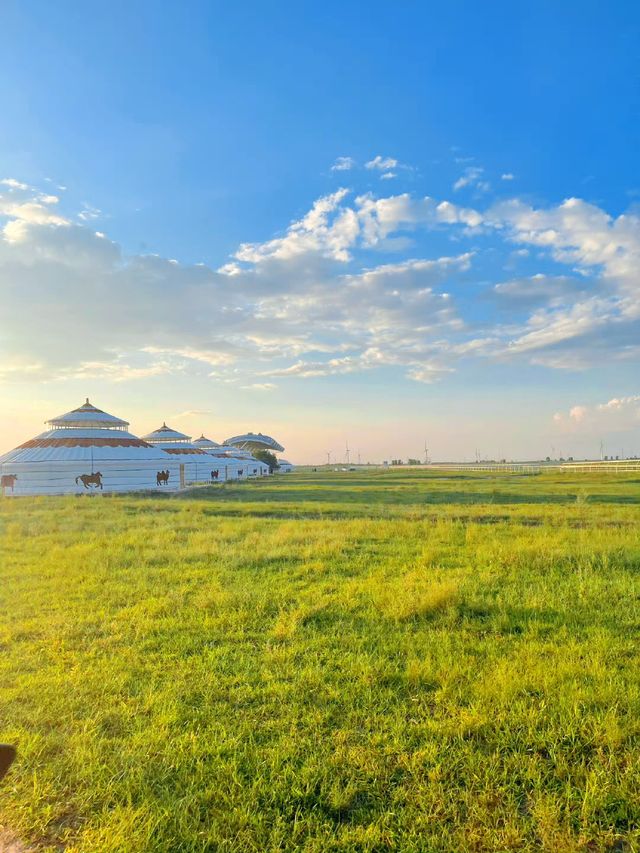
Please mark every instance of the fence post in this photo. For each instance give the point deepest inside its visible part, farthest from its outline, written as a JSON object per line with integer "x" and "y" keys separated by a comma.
{"x": 182, "y": 475}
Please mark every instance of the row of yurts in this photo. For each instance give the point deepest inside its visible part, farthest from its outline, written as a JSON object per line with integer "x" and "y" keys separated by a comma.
{"x": 88, "y": 449}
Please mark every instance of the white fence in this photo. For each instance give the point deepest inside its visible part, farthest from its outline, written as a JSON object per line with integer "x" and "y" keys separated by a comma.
{"x": 612, "y": 466}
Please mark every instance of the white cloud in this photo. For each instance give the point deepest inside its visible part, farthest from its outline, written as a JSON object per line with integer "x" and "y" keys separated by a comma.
{"x": 14, "y": 184}
{"x": 472, "y": 177}
{"x": 578, "y": 234}
{"x": 230, "y": 268}
{"x": 578, "y": 413}
{"x": 307, "y": 369}
{"x": 117, "y": 371}
{"x": 382, "y": 163}
{"x": 380, "y": 217}
{"x": 619, "y": 403}
{"x": 539, "y": 290}
{"x": 507, "y": 176}
{"x": 388, "y": 167}
{"x": 310, "y": 302}
{"x": 260, "y": 386}
{"x": 89, "y": 212}
{"x": 343, "y": 164}
{"x": 328, "y": 228}
{"x": 617, "y": 414}
{"x": 429, "y": 373}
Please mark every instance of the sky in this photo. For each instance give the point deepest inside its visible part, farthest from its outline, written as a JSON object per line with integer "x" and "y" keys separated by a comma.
{"x": 392, "y": 225}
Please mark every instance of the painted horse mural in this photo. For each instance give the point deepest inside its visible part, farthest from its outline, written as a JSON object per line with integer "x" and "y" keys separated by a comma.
{"x": 90, "y": 480}
{"x": 214, "y": 474}
{"x": 8, "y": 481}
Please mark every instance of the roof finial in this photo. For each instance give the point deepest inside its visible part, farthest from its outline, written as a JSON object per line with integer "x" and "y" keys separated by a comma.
{"x": 87, "y": 402}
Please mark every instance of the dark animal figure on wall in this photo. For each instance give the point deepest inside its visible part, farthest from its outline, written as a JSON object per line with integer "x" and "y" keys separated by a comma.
{"x": 162, "y": 478}
{"x": 7, "y": 754}
{"x": 241, "y": 472}
{"x": 8, "y": 481}
{"x": 214, "y": 474}
{"x": 94, "y": 480}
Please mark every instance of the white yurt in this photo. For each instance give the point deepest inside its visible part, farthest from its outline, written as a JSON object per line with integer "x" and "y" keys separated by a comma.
{"x": 86, "y": 451}
{"x": 228, "y": 466}
{"x": 284, "y": 466}
{"x": 197, "y": 465}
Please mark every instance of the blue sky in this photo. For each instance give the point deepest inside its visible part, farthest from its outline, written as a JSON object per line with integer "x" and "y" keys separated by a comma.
{"x": 437, "y": 285}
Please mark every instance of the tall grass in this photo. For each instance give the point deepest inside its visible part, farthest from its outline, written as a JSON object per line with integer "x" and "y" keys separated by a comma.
{"x": 325, "y": 662}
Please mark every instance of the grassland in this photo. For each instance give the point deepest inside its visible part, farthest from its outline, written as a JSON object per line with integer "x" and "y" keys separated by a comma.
{"x": 398, "y": 661}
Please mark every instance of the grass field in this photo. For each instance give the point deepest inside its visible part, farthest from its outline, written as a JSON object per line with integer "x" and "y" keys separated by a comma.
{"x": 374, "y": 661}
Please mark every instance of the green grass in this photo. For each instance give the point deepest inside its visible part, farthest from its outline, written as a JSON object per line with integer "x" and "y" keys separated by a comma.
{"x": 375, "y": 661}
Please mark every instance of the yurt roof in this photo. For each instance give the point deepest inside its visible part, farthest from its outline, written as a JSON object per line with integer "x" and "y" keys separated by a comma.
{"x": 165, "y": 434}
{"x": 88, "y": 415}
{"x": 204, "y": 443}
{"x": 86, "y": 433}
{"x": 255, "y": 441}
{"x": 173, "y": 442}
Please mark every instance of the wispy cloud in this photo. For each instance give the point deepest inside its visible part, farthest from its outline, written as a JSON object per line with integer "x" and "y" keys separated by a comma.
{"x": 192, "y": 413}
{"x": 472, "y": 176}
{"x": 343, "y": 164}
{"x": 260, "y": 386}
{"x": 89, "y": 212}
{"x": 382, "y": 163}
{"x": 13, "y": 184}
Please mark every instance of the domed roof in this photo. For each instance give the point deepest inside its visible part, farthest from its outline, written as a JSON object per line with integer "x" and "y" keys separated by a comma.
{"x": 205, "y": 443}
{"x": 84, "y": 433}
{"x": 164, "y": 434}
{"x": 172, "y": 441}
{"x": 255, "y": 441}
{"x": 88, "y": 415}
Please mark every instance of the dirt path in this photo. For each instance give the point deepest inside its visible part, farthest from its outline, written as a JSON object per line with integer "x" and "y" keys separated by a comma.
{"x": 10, "y": 844}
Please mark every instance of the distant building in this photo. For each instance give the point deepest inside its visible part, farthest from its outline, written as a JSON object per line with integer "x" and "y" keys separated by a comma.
{"x": 251, "y": 442}
{"x": 236, "y": 464}
{"x": 255, "y": 441}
